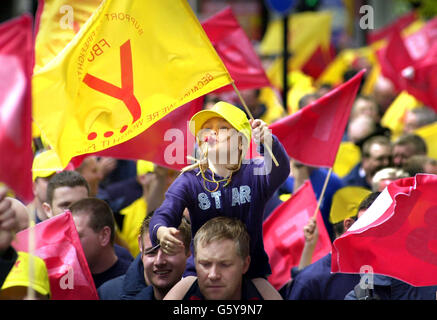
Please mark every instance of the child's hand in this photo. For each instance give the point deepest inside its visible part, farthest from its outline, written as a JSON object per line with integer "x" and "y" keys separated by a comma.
{"x": 170, "y": 244}
{"x": 260, "y": 130}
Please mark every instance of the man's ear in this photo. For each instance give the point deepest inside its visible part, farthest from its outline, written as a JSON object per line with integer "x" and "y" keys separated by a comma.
{"x": 47, "y": 209}
{"x": 246, "y": 264}
{"x": 347, "y": 223}
{"x": 105, "y": 236}
{"x": 140, "y": 245}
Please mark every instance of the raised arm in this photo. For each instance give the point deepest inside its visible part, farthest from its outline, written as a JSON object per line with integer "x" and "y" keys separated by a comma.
{"x": 311, "y": 233}
{"x": 166, "y": 218}
{"x": 275, "y": 175}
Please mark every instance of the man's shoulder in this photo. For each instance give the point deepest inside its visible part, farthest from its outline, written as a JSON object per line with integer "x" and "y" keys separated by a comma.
{"x": 145, "y": 294}
{"x": 354, "y": 178}
{"x": 123, "y": 254}
{"x": 111, "y": 289}
{"x": 318, "y": 269}
{"x": 318, "y": 177}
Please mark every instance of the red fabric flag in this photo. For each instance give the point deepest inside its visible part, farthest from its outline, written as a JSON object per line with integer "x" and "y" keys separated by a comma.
{"x": 394, "y": 59}
{"x": 410, "y": 63}
{"x": 313, "y": 134}
{"x": 284, "y": 237}
{"x": 57, "y": 243}
{"x": 16, "y": 61}
{"x": 396, "y": 236}
{"x": 236, "y": 51}
{"x": 166, "y": 143}
{"x": 399, "y": 24}
{"x": 319, "y": 61}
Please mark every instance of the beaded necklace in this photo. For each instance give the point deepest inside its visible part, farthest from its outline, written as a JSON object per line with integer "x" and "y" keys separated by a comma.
{"x": 228, "y": 180}
{"x": 202, "y": 172}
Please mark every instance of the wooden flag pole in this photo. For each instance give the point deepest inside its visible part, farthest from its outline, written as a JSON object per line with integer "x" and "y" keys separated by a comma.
{"x": 251, "y": 117}
{"x": 323, "y": 193}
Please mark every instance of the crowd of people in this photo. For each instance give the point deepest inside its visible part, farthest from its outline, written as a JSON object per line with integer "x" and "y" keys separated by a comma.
{"x": 151, "y": 233}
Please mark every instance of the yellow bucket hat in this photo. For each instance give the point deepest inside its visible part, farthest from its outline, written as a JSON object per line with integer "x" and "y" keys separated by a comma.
{"x": 45, "y": 164}
{"x": 235, "y": 116}
{"x": 345, "y": 203}
{"x": 19, "y": 274}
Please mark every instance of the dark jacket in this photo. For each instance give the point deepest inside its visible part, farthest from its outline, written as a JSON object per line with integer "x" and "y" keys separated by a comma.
{"x": 129, "y": 286}
{"x": 316, "y": 282}
{"x": 386, "y": 288}
{"x": 354, "y": 178}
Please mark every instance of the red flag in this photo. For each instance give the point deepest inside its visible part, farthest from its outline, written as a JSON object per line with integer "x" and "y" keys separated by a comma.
{"x": 313, "y": 134}
{"x": 57, "y": 243}
{"x": 396, "y": 236}
{"x": 319, "y": 61}
{"x": 237, "y": 53}
{"x": 166, "y": 143}
{"x": 284, "y": 238}
{"x": 16, "y": 60}
{"x": 395, "y": 58}
{"x": 399, "y": 24}
{"x": 410, "y": 63}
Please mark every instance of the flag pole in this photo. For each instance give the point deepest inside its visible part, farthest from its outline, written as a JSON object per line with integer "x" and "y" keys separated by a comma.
{"x": 323, "y": 193}
{"x": 251, "y": 117}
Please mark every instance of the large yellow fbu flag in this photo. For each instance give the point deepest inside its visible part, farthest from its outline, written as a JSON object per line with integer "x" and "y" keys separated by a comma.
{"x": 131, "y": 64}
{"x": 59, "y": 22}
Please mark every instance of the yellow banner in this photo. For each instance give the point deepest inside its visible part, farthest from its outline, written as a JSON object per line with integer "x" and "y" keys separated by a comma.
{"x": 60, "y": 21}
{"x": 429, "y": 134}
{"x": 306, "y": 31}
{"x": 394, "y": 116}
{"x": 131, "y": 64}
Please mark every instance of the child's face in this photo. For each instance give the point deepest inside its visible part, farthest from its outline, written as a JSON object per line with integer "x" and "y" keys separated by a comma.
{"x": 222, "y": 139}
{"x": 215, "y": 129}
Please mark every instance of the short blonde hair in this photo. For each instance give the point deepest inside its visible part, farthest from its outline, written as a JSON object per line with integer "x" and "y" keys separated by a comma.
{"x": 224, "y": 228}
{"x": 387, "y": 174}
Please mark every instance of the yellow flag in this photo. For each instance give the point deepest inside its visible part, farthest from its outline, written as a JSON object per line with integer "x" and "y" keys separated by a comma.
{"x": 307, "y": 32}
{"x": 348, "y": 156}
{"x": 345, "y": 202}
{"x": 333, "y": 74}
{"x": 131, "y": 64}
{"x": 134, "y": 214}
{"x": 270, "y": 98}
{"x": 300, "y": 85}
{"x": 274, "y": 73}
{"x": 60, "y": 21}
{"x": 429, "y": 134}
{"x": 371, "y": 78}
{"x": 394, "y": 116}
